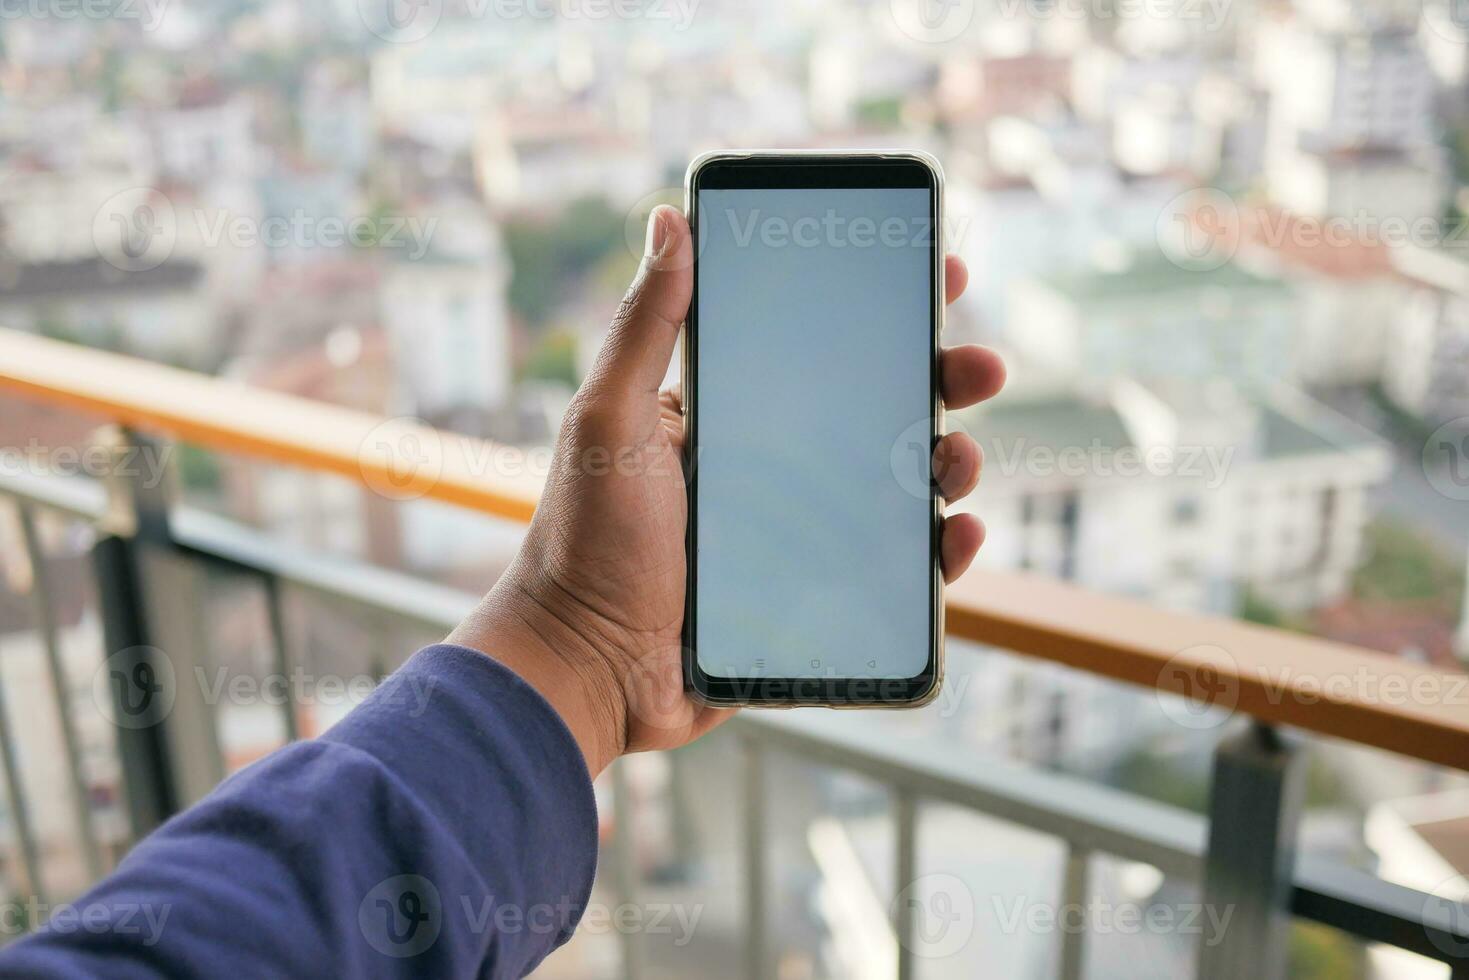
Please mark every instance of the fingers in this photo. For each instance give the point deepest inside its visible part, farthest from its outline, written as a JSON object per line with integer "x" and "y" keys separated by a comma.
{"x": 635, "y": 357}
{"x": 956, "y": 277}
{"x": 962, "y": 536}
{"x": 970, "y": 374}
{"x": 956, "y": 464}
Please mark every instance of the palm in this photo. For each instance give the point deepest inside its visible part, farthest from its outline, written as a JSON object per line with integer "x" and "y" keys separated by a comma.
{"x": 619, "y": 532}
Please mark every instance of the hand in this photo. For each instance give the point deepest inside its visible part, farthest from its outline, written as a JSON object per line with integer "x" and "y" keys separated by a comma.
{"x": 591, "y": 611}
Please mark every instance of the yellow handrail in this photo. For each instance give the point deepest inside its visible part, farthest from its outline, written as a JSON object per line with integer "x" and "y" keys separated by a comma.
{"x": 1279, "y": 677}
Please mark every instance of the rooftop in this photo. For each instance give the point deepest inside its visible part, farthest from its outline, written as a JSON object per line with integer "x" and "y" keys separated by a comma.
{"x": 1152, "y": 274}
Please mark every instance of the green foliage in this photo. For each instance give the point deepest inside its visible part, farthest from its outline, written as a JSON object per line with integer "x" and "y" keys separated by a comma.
{"x": 550, "y": 260}
{"x": 1402, "y": 427}
{"x": 1182, "y": 782}
{"x": 554, "y": 359}
{"x": 1402, "y": 565}
{"x": 198, "y": 469}
{"x": 1253, "y": 608}
{"x": 1319, "y": 952}
{"x": 880, "y": 113}
{"x": 1162, "y": 778}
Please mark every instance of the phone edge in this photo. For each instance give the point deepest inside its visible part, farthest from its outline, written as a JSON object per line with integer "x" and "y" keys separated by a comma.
{"x": 938, "y": 639}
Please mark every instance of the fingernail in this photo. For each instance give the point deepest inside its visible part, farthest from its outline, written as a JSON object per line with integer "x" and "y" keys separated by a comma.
{"x": 657, "y": 233}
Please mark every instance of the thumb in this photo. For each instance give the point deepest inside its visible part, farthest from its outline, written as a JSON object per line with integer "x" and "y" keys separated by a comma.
{"x": 635, "y": 356}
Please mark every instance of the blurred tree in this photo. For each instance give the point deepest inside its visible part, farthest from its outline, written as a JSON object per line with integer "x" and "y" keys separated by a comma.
{"x": 1321, "y": 953}
{"x": 1402, "y": 565}
{"x": 553, "y": 359}
{"x": 551, "y": 260}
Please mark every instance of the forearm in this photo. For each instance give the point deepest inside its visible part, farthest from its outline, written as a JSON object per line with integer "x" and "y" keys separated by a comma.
{"x": 520, "y": 627}
{"x": 445, "y": 828}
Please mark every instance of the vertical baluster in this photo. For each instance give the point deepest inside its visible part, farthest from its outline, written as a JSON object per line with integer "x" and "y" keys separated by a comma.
{"x": 20, "y": 813}
{"x": 1074, "y": 895}
{"x": 625, "y": 870}
{"x": 755, "y": 883}
{"x": 1254, "y": 813}
{"x": 280, "y": 653}
{"x": 169, "y": 588}
{"x": 905, "y": 813}
{"x": 61, "y": 691}
{"x": 147, "y": 778}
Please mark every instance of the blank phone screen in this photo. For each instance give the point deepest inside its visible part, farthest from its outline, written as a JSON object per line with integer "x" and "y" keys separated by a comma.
{"x": 813, "y": 375}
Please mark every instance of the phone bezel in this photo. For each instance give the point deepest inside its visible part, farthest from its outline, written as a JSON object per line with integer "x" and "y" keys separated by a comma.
{"x": 797, "y": 169}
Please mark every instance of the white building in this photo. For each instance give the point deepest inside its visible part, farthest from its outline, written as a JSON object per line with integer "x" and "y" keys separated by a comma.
{"x": 1140, "y": 315}
{"x": 162, "y": 313}
{"x": 447, "y": 319}
{"x": 206, "y": 136}
{"x": 1049, "y": 199}
{"x": 1349, "y": 295}
{"x": 1352, "y": 124}
{"x": 1183, "y": 494}
{"x": 1426, "y": 367}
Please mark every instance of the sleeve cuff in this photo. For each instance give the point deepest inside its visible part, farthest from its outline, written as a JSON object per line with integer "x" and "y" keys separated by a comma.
{"x": 490, "y": 757}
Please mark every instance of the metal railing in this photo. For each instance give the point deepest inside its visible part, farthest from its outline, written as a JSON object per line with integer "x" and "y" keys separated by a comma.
{"x": 1242, "y": 854}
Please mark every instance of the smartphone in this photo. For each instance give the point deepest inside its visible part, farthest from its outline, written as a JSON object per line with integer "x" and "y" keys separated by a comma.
{"x": 811, "y": 412}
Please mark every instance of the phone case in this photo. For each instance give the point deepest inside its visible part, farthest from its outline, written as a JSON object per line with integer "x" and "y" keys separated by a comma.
{"x": 690, "y": 210}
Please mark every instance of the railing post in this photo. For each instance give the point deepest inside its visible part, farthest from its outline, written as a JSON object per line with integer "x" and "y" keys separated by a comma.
{"x": 1254, "y": 813}
{"x": 754, "y": 845}
{"x": 147, "y": 778}
{"x": 625, "y": 867}
{"x": 1074, "y": 888}
{"x": 151, "y": 601}
{"x": 905, "y": 870}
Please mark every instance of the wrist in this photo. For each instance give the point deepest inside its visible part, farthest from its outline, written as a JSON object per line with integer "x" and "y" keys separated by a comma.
{"x": 524, "y": 630}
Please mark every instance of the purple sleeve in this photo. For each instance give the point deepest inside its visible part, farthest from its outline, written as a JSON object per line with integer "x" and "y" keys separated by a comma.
{"x": 444, "y": 828}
